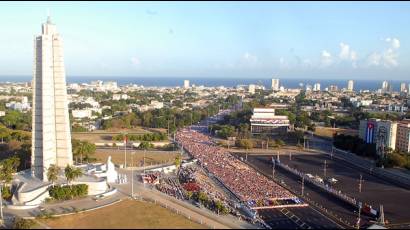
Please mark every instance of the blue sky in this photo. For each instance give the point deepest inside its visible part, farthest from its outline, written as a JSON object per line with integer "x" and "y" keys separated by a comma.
{"x": 358, "y": 40}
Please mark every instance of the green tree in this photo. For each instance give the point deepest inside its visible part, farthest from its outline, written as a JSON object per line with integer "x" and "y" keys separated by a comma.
{"x": 178, "y": 162}
{"x": 72, "y": 173}
{"x": 82, "y": 149}
{"x": 7, "y": 168}
{"x": 52, "y": 173}
{"x": 145, "y": 145}
{"x": 4, "y": 132}
{"x": 203, "y": 198}
{"x": 245, "y": 143}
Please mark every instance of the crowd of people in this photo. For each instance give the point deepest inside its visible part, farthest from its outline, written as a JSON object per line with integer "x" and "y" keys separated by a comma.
{"x": 244, "y": 181}
{"x": 150, "y": 178}
{"x": 171, "y": 187}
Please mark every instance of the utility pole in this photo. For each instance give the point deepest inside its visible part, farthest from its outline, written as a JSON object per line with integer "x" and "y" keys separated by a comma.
{"x": 324, "y": 169}
{"x": 303, "y": 185}
{"x": 381, "y": 219}
{"x": 360, "y": 183}
{"x": 1, "y": 203}
{"x": 358, "y": 219}
{"x": 144, "y": 165}
{"x": 331, "y": 153}
{"x": 168, "y": 128}
{"x": 278, "y": 156}
{"x": 132, "y": 174}
{"x": 273, "y": 168}
{"x": 125, "y": 150}
{"x": 304, "y": 142}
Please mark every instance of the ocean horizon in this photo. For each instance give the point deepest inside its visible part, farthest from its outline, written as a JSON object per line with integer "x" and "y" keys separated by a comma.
{"x": 215, "y": 81}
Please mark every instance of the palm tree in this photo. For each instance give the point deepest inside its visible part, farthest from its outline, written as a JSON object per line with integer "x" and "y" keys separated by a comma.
{"x": 72, "y": 173}
{"x": 52, "y": 173}
{"x": 178, "y": 162}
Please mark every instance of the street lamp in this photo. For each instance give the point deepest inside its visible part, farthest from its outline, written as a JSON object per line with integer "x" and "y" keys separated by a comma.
{"x": 132, "y": 174}
{"x": 125, "y": 150}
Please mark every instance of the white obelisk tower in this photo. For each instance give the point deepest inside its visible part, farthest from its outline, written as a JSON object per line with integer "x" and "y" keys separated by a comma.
{"x": 51, "y": 137}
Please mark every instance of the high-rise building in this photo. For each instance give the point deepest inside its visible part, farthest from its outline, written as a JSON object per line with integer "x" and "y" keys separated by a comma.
{"x": 385, "y": 86}
{"x": 350, "y": 85}
{"x": 403, "y": 136}
{"x": 186, "y": 84}
{"x": 316, "y": 87}
{"x": 380, "y": 132}
{"x": 333, "y": 88}
{"x": 403, "y": 88}
{"x": 252, "y": 88}
{"x": 275, "y": 84}
{"x": 51, "y": 137}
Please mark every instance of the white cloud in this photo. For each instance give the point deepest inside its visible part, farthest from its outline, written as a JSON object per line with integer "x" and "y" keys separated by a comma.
{"x": 282, "y": 61}
{"x": 135, "y": 61}
{"x": 344, "y": 51}
{"x": 326, "y": 58}
{"x": 395, "y": 43}
{"x": 374, "y": 59}
{"x": 353, "y": 56}
{"x": 249, "y": 58}
{"x": 390, "y": 58}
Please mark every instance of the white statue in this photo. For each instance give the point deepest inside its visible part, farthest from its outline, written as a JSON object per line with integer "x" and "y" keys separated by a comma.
{"x": 111, "y": 172}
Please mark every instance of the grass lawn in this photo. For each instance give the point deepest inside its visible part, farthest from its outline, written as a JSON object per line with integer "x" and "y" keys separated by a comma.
{"x": 125, "y": 214}
{"x": 328, "y": 132}
{"x": 117, "y": 156}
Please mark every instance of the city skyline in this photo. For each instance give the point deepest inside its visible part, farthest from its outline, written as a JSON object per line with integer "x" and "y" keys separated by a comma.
{"x": 323, "y": 40}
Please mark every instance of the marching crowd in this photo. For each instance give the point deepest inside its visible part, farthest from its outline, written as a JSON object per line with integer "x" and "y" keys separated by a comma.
{"x": 241, "y": 179}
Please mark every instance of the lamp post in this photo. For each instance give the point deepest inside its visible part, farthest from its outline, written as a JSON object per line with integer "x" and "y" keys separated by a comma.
{"x": 1, "y": 203}
{"x": 132, "y": 174}
{"x": 125, "y": 150}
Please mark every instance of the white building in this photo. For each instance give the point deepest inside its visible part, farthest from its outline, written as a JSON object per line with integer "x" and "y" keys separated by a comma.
{"x": 110, "y": 86}
{"x": 251, "y": 88}
{"x": 316, "y": 87}
{"x": 350, "y": 85}
{"x": 118, "y": 97}
{"x": 275, "y": 84}
{"x": 20, "y": 106}
{"x": 381, "y": 132}
{"x": 264, "y": 120}
{"x": 386, "y": 87}
{"x": 82, "y": 113}
{"x": 403, "y": 88}
{"x": 51, "y": 142}
{"x": 186, "y": 84}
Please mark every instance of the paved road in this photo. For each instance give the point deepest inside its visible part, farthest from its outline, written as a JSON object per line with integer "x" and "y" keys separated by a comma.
{"x": 207, "y": 216}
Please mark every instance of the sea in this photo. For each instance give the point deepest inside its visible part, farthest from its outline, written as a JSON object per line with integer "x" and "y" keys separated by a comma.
{"x": 221, "y": 81}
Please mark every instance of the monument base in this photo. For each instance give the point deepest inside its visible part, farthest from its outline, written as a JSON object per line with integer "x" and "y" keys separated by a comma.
{"x": 30, "y": 192}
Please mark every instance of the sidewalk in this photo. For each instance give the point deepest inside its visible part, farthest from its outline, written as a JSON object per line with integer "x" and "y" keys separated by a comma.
{"x": 66, "y": 206}
{"x": 209, "y": 218}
